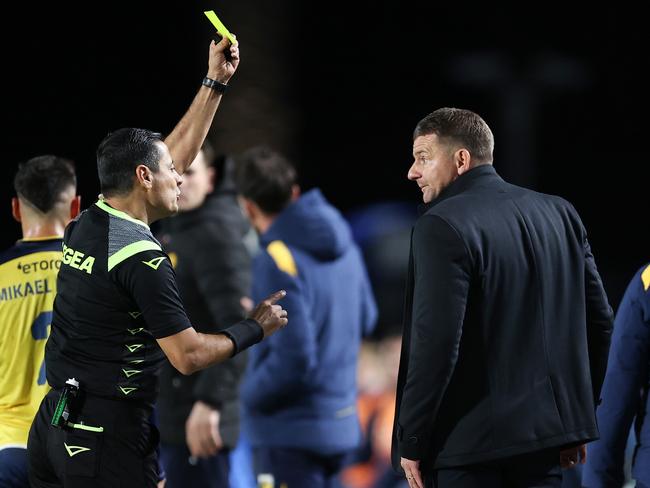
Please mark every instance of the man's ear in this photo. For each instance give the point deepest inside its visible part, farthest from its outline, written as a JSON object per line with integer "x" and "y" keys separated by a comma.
{"x": 75, "y": 206}
{"x": 15, "y": 209}
{"x": 463, "y": 161}
{"x": 144, "y": 176}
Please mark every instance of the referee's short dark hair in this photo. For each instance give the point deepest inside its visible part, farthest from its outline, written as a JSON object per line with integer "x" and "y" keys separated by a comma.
{"x": 42, "y": 179}
{"x": 120, "y": 153}
{"x": 265, "y": 177}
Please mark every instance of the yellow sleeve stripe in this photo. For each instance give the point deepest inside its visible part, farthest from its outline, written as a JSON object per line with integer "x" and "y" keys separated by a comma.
{"x": 645, "y": 277}
{"x": 130, "y": 250}
{"x": 282, "y": 257}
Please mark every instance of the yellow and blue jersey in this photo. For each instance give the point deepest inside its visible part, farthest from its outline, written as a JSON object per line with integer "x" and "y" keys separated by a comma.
{"x": 28, "y": 272}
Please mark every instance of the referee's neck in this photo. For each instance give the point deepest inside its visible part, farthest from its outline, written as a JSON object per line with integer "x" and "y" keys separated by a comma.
{"x": 134, "y": 205}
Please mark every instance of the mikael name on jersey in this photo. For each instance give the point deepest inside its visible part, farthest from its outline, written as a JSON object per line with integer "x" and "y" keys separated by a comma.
{"x": 74, "y": 259}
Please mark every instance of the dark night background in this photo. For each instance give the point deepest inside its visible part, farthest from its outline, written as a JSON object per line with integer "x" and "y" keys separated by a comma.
{"x": 339, "y": 87}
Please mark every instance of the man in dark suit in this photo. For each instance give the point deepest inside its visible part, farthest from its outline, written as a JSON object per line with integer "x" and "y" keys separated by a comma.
{"x": 507, "y": 325}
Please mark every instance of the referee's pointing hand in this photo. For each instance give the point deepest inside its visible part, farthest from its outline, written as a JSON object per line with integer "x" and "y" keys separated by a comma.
{"x": 269, "y": 315}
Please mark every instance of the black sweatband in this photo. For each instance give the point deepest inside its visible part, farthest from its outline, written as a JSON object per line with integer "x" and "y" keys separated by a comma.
{"x": 244, "y": 334}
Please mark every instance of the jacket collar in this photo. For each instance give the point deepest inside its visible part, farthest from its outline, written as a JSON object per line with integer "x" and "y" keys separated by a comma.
{"x": 474, "y": 177}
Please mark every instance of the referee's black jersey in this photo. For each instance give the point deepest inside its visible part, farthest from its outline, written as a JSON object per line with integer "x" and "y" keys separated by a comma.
{"x": 117, "y": 293}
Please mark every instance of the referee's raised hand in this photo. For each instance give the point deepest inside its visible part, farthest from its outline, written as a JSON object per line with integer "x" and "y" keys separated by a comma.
{"x": 270, "y": 315}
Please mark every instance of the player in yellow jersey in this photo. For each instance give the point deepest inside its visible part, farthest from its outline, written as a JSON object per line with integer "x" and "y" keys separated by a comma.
{"x": 46, "y": 199}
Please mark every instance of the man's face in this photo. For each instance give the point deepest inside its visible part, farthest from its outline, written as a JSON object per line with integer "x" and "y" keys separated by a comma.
{"x": 197, "y": 184}
{"x": 166, "y": 182}
{"x": 433, "y": 167}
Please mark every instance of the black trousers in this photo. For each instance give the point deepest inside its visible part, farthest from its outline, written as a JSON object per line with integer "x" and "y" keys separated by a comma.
{"x": 113, "y": 445}
{"x": 539, "y": 469}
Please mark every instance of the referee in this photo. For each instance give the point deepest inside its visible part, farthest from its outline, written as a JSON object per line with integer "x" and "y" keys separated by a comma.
{"x": 118, "y": 313}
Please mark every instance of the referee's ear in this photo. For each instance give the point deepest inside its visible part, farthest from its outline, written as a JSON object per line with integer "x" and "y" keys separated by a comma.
{"x": 144, "y": 176}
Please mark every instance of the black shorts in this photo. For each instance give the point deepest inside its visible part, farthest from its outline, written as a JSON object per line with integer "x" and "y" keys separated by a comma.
{"x": 114, "y": 446}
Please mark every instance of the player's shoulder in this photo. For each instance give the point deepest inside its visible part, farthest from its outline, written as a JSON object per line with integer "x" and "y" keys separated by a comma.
{"x": 31, "y": 248}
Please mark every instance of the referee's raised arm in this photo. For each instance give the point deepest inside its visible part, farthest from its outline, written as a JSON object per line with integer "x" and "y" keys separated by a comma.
{"x": 185, "y": 140}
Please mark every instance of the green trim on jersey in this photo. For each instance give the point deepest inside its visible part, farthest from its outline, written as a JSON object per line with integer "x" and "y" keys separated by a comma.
{"x": 127, "y": 251}
{"x": 131, "y": 372}
{"x": 74, "y": 450}
{"x": 154, "y": 263}
{"x": 119, "y": 213}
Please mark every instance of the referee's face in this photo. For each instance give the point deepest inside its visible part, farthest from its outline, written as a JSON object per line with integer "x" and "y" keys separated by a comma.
{"x": 166, "y": 182}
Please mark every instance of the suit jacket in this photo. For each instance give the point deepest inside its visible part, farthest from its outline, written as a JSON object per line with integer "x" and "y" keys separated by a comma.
{"x": 506, "y": 329}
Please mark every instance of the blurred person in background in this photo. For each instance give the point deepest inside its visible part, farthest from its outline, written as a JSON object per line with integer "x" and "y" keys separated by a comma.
{"x": 507, "y": 325}
{"x": 299, "y": 390}
{"x": 626, "y": 402}
{"x": 45, "y": 201}
{"x": 199, "y": 414}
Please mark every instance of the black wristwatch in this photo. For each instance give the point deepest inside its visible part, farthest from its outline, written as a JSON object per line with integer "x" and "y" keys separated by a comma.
{"x": 215, "y": 85}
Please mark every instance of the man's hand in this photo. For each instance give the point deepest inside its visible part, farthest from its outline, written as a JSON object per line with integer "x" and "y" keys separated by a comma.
{"x": 202, "y": 431}
{"x": 220, "y": 66}
{"x": 412, "y": 471}
{"x": 269, "y": 315}
{"x": 570, "y": 457}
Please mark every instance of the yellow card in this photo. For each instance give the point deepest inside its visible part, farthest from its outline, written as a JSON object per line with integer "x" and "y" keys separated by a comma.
{"x": 221, "y": 29}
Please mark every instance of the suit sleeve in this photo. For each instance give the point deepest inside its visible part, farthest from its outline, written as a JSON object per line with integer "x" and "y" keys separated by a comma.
{"x": 221, "y": 267}
{"x": 627, "y": 374}
{"x": 599, "y": 322}
{"x": 442, "y": 278}
{"x": 290, "y": 354}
